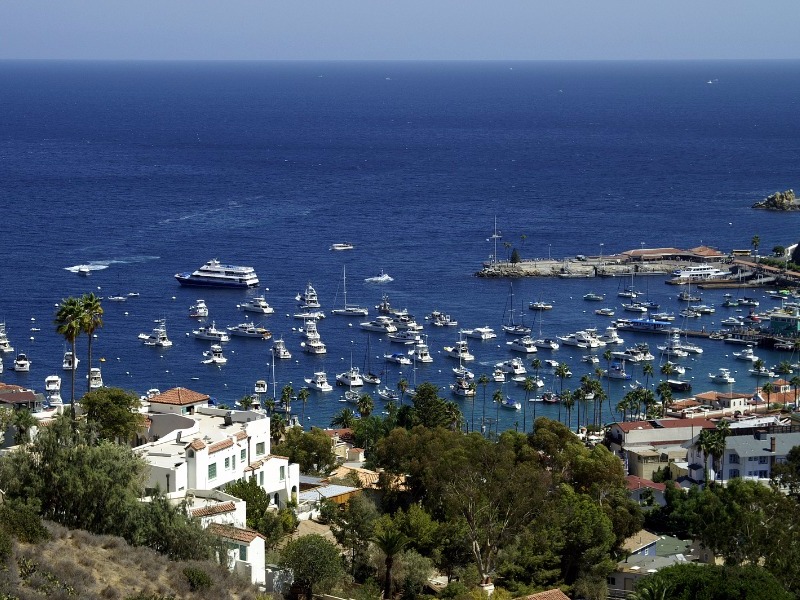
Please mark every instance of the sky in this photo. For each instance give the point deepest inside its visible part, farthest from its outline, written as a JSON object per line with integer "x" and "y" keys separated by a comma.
{"x": 392, "y": 30}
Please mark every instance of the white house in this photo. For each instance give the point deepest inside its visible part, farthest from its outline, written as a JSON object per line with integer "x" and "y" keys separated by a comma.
{"x": 246, "y": 551}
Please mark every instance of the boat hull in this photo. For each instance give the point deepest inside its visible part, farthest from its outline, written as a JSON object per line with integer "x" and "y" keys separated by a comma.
{"x": 188, "y": 280}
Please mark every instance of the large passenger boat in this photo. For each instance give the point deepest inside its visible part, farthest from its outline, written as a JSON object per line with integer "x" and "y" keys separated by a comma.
{"x": 216, "y": 274}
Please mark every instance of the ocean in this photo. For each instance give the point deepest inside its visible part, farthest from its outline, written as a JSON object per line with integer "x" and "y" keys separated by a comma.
{"x": 143, "y": 170}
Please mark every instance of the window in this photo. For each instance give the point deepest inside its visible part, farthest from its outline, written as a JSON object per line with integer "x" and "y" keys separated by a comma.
{"x": 734, "y": 473}
{"x": 763, "y": 460}
{"x": 261, "y": 478}
{"x": 283, "y": 473}
{"x": 212, "y": 471}
{"x": 763, "y": 474}
{"x": 227, "y": 464}
{"x": 259, "y": 448}
{"x": 233, "y": 461}
{"x": 733, "y": 459}
{"x": 243, "y": 455}
{"x": 752, "y": 458}
{"x": 243, "y": 553}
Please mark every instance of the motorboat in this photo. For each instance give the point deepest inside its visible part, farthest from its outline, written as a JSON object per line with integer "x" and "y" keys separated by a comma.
{"x": 616, "y": 371}
{"x": 464, "y": 372}
{"x": 84, "y": 270}
{"x": 214, "y": 356}
{"x": 52, "y": 388}
{"x": 498, "y": 375}
{"x": 546, "y": 344}
{"x": 722, "y": 376}
{"x": 309, "y": 314}
{"x": 582, "y": 339}
{"x": 511, "y": 404}
{"x": 117, "y": 298}
{"x": 635, "y": 307}
{"x": 385, "y": 308}
{"x": 689, "y": 313}
{"x": 747, "y": 301}
{"x": 571, "y": 339}
{"x": 421, "y": 353}
{"x": 673, "y": 347}
{"x": 279, "y": 349}
{"x": 746, "y": 354}
{"x": 524, "y": 344}
{"x": 732, "y": 322}
{"x": 211, "y": 334}
{"x": 198, "y": 310}
{"x": 158, "y": 337}
{"x": 314, "y": 346}
{"x": 730, "y": 303}
{"x": 699, "y": 273}
{"x": 22, "y": 363}
{"x": 704, "y": 309}
{"x": 216, "y": 274}
{"x": 632, "y": 355}
{"x": 540, "y": 305}
{"x": 380, "y": 278}
{"x": 350, "y": 378}
{"x": 675, "y": 368}
{"x": 628, "y": 293}
{"x": 260, "y": 387}
{"x": 687, "y": 346}
{"x": 517, "y": 329}
{"x": 398, "y": 357}
{"x": 439, "y": 319}
{"x": 5, "y": 345}
{"x": 310, "y": 331}
{"x": 512, "y": 366}
{"x": 679, "y": 385}
{"x": 460, "y": 351}
{"x": 371, "y": 378}
{"x": 536, "y": 381}
{"x": 70, "y": 362}
{"x": 479, "y": 333}
{"x": 308, "y": 297}
{"x": 605, "y": 312}
{"x": 663, "y": 316}
{"x": 686, "y": 296}
{"x": 339, "y": 246}
{"x": 319, "y": 381}
{"x": 95, "y": 378}
{"x": 381, "y": 324}
{"x": 462, "y": 387}
{"x": 590, "y": 358}
{"x": 257, "y": 304}
{"x": 404, "y": 337}
{"x": 349, "y": 310}
{"x": 406, "y": 322}
{"x": 611, "y": 336}
{"x": 762, "y": 372}
{"x": 649, "y": 304}
{"x": 388, "y": 394}
{"x": 249, "y": 330}
{"x": 592, "y": 297}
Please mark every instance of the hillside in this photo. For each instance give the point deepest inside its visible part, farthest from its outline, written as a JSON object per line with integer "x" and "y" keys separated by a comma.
{"x": 76, "y": 564}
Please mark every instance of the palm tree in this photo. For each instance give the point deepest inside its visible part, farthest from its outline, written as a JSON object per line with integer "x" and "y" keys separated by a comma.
{"x": 665, "y": 394}
{"x": 608, "y": 356}
{"x": 344, "y": 419}
{"x": 647, "y": 371}
{"x": 302, "y": 396}
{"x": 453, "y": 415}
{"x": 498, "y": 399}
{"x": 755, "y": 243}
{"x": 528, "y": 385}
{"x": 759, "y": 367}
{"x": 768, "y": 388}
{"x": 562, "y": 370}
{"x": 286, "y": 397}
{"x": 91, "y": 320}
{"x": 23, "y": 420}
{"x": 473, "y": 388}
{"x": 402, "y": 386}
{"x": 365, "y": 405}
{"x": 484, "y": 381}
{"x": 795, "y": 383}
{"x": 68, "y": 323}
{"x": 246, "y": 402}
{"x": 705, "y": 441}
{"x": 651, "y": 588}
{"x": 667, "y": 369}
{"x": 723, "y": 431}
{"x": 270, "y": 404}
{"x": 568, "y": 400}
{"x": 391, "y": 542}
{"x": 277, "y": 427}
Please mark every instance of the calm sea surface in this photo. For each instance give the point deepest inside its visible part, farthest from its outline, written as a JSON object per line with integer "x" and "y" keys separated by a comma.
{"x": 146, "y": 169}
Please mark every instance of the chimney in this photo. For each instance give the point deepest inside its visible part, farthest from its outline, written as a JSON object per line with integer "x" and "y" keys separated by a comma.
{"x": 772, "y": 444}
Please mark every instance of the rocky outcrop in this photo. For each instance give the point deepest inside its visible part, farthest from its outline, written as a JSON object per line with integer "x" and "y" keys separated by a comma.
{"x": 779, "y": 201}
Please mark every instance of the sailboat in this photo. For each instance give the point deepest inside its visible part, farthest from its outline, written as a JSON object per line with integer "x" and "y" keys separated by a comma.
{"x": 629, "y": 292}
{"x": 368, "y": 376}
{"x": 512, "y": 328}
{"x": 349, "y": 310}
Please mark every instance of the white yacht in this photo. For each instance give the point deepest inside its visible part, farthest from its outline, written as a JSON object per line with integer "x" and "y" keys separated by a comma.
{"x": 523, "y": 344}
{"x": 52, "y": 388}
{"x": 380, "y": 278}
{"x": 462, "y": 387}
{"x": 616, "y": 371}
{"x": 388, "y": 394}
{"x": 405, "y": 337}
{"x": 260, "y": 387}
{"x": 198, "y": 310}
{"x": 611, "y": 336}
{"x": 5, "y": 345}
{"x": 590, "y": 358}
{"x": 398, "y": 357}
{"x": 309, "y": 314}
{"x": 699, "y": 273}
{"x": 158, "y": 337}
{"x": 279, "y": 349}
{"x": 95, "y": 378}
{"x": 350, "y": 378}
{"x": 746, "y": 354}
{"x": 722, "y": 376}
{"x": 339, "y": 246}
{"x": 308, "y": 297}
{"x": 512, "y": 366}
{"x": 634, "y": 307}
{"x": 314, "y": 346}
{"x": 546, "y": 344}
{"x": 381, "y": 324}
{"x": 70, "y": 362}
{"x": 459, "y": 350}
{"x": 421, "y": 353}
{"x": 605, "y": 312}
{"x": 479, "y": 333}
{"x": 211, "y": 333}
{"x": 687, "y": 346}
{"x": 319, "y": 381}
{"x": 463, "y": 372}
{"x": 498, "y": 375}
{"x": 214, "y": 356}
{"x": 540, "y": 305}
{"x": 22, "y": 363}
{"x": 257, "y": 304}
{"x": 762, "y": 372}
{"x": 310, "y": 331}
{"x": 440, "y": 319}
{"x": 673, "y": 347}
{"x": 406, "y": 322}
{"x": 632, "y": 355}
{"x": 249, "y": 330}
{"x": 349, "y": 310}
{"x": 217, "y": 274}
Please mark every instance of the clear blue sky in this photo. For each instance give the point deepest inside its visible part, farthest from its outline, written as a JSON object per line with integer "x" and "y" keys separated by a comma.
{"x": 394, "y": 30}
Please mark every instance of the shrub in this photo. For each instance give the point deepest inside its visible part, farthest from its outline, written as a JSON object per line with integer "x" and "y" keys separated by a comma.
{"x": 6, "y": 546}
{"x": 22, "y": 521}
{"x": 197, "y": 578}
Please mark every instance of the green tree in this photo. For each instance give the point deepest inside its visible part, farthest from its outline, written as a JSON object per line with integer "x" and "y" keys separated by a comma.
{"x": 246, "y": 402}
{"x": 712, "y": 582}
{"x": 344, "y": 419}
{"x": 23, "y": 421}
{"x": 312, "y": 450}
{"x": 402, "y": 386}
{"x": 562, "y": 372}
{"x": 315, "y": 562}
{"x": 69, "y": 323}
{"x": 91, "y": 321}
{"x": 286, "y": 397}
{"x": 277, "y": 428}
{"x": 755, "y": 242}
{"x": 515, "y": 256}
{"x": 353, "y": 527}
{"x": 365, "y": 405}
{"x": 114, "y": 412}
{"x": 273, "y": 525}
{"x": 391, "y": 541}
{"x": 483, "y": 380}
{"x": 303, "y": 396}
{"x": 529, "y": 386}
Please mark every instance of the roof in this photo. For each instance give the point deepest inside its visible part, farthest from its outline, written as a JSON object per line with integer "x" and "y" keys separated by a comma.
{"x": 705, "y": 251}
{"x": 640, "y": 540}
{"x": 747, "y": 445}
{"x": 197, "y": 444}
{"x": 635, "y": 482}
{"x": 554, "y": 594}
{"x": 665, "y": 424}
{"x": 213, "y": 509}
{"x": 327, "y": 491}
{"x": 18, "y": 397}
{"x": 179, "y": 396}
{"x": 367, "y": 477}
{"x": 234, "y": 533}
{"x": 217, "y": 446}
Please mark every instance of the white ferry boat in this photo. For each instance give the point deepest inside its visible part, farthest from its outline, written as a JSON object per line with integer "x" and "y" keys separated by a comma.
{"x": 700, "y": 273}
{"x": 217, "y": 274}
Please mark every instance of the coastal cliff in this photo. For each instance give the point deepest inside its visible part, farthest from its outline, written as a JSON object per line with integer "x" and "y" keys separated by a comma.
{"x": 779, "y": 201}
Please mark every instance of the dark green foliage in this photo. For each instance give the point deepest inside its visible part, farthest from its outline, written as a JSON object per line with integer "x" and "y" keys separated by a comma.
{"x": 353, "y": 527}
{"x": 198, "y": 579}
{"x": 711, "y": 582}
{"x": 310, "y": 449}
{"x": 113, "y": 412}
{"x": 515, "y": 256}
{"x": 273, "y": 525}
{"x": 22, "y": 521}
{"x": 314, "y": 561}
{"x": 6, "y": 547}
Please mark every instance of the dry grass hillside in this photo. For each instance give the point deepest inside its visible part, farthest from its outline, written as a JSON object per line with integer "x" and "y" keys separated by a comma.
{"x": 76, "y": 564}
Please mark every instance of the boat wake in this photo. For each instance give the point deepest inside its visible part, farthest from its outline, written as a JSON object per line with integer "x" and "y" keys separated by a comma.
{"x": 87, "y": 267}
{"x": 382, "y": 278}
{"x": 99, "y": 265}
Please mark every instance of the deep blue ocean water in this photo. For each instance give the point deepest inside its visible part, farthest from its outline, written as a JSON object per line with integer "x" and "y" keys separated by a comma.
{"x": 153, "y": 168}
